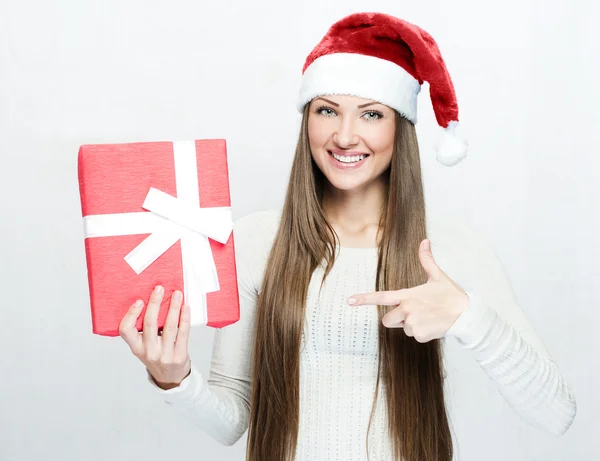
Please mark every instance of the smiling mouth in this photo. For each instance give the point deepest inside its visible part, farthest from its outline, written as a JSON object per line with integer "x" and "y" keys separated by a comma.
{"x": 348, "y": 160}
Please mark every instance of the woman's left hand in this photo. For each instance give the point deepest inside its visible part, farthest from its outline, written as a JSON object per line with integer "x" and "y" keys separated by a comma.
{"x": 427, "y": 311}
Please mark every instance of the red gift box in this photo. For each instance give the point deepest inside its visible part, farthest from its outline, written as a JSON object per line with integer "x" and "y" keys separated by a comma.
{"x": 158, "y": 213}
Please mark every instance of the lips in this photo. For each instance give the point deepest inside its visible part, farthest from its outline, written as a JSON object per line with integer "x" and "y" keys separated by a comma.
{"x": 346, "y": 153}
{"x": 346, "y": 166}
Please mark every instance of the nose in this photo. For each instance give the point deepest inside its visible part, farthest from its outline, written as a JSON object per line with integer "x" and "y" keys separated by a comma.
{"x": 345, "y": 135}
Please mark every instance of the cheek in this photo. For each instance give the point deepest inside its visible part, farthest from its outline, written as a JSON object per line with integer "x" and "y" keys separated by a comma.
{"x": 382, "y": 139}
{"x": 317, "y": 138}
{"x": 382, "y": 144}
{"x": 317, "y": 133}
{"x": 384, "y": 161}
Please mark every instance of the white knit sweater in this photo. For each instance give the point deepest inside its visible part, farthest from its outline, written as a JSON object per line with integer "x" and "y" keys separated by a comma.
{"x": 338, "y": 359}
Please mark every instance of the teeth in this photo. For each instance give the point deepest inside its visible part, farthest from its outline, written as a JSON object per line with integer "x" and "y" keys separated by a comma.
{"x": 352, "y": 159}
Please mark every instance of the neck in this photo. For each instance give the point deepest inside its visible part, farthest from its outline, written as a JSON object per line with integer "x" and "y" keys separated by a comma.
{"x": 355, "y": 209}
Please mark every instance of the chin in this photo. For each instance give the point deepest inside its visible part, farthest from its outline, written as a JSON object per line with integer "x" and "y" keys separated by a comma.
{"x": 346, "y": 184}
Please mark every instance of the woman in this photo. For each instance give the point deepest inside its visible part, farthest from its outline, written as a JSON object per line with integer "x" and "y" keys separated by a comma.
{"x": 338, "y": 351}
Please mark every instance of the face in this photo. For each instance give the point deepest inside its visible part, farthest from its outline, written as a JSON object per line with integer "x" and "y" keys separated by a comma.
{"x": 351, "y": 139}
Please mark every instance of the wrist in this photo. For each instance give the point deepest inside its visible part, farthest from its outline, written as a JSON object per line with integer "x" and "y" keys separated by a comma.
{"x": 165, "y": 386}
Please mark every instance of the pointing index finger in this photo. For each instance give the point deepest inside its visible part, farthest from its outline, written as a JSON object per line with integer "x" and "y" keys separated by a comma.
{"x": 383, "y": 298}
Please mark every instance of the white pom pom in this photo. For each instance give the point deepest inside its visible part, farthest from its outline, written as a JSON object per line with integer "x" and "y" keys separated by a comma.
{"x": 452, "y": 147}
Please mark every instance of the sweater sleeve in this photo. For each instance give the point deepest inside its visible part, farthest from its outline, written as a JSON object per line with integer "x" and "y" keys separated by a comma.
{"x": 220, "y": 405}
{"x": 506, "y": 346}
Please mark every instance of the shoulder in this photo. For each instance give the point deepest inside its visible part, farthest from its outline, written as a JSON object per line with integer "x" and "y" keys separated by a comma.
{"x": 458, "y": 242}
{"x": 445, "y": 228}
{"x": 253, "y": 236}
{"x": 258, "y": 220}
{"x": 466, "y": 255}
{"x": 257, "y": 227}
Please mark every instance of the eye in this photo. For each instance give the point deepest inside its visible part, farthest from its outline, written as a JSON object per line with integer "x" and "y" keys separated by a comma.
{"x": 374, "y": 112}
{"x": 322, "y": 108}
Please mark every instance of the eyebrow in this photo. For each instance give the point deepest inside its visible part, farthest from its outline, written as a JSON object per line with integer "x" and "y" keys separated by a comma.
{"x": 359, "y": 107}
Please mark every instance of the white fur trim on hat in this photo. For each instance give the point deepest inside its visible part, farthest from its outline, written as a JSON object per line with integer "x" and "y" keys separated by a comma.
{"x": 362, "y": 76}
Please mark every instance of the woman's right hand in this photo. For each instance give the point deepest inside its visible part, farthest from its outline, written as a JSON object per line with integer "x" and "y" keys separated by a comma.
{"x": 165, "y": 356}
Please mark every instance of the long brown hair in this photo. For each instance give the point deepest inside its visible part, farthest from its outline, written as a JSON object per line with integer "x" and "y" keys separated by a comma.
{"x": 412, "y": 372}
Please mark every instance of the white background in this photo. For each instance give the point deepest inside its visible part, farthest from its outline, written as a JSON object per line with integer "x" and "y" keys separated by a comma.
{"x": 75, "y": 72}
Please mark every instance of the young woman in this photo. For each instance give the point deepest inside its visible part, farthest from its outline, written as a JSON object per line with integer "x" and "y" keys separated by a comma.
{"x": 338, "y": 354}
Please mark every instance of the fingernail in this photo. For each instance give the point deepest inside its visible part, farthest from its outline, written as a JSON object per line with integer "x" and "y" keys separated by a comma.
{"x": 138, "y": 303}
{"x": 177, "y": 295}
{"x": 351, "y": 300}
{"x": 159, "y": 289}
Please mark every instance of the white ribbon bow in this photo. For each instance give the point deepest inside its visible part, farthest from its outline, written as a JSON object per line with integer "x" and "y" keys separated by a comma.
{"x": 171, "y": 219}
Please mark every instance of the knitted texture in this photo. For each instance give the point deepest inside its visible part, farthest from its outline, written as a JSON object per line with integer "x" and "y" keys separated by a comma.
{"x": 338, "y": 358}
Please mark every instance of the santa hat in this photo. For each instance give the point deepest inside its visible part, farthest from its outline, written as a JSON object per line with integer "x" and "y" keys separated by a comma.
{"x": 384, "y": 58}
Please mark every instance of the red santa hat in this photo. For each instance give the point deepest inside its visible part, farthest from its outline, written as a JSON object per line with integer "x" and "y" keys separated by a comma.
{"x": 387, "y": 59}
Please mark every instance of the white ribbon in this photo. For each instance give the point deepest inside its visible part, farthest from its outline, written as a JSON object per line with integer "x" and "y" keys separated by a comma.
{"x": 171, "y": 219}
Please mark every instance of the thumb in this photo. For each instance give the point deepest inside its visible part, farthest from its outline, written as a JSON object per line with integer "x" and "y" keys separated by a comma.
{"x": 427, "y": 260}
